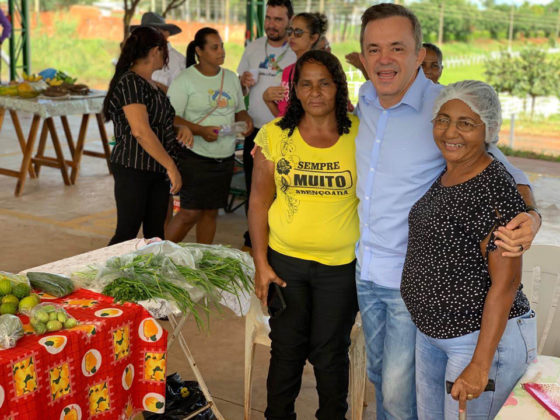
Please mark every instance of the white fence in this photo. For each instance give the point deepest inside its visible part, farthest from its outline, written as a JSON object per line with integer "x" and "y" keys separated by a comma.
{"x": 544, "y": 106}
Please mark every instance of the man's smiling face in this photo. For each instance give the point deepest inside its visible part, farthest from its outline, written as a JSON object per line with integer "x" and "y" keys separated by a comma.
{"x": 390, "y": 57}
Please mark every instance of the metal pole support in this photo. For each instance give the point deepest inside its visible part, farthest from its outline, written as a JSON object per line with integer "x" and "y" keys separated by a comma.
{"x": 511, "y": 129}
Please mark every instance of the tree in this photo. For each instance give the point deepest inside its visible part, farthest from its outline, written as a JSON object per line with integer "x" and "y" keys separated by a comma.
{"x": 533, "y": 73}
{"x": 129, "y": 10}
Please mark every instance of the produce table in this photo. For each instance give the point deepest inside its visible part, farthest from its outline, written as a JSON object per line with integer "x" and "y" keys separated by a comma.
{"x": 176, "y": 319}
{"x": 110, "y": 366}
{"x": 46, "y": 109}
{"x": 521, "y": 405}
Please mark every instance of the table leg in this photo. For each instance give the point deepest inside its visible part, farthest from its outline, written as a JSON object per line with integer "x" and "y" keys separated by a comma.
{"x": 2, "y": 113}
{"x": 68, "y": 134}
{"x": 79, "y": 148}
{"x": 104, "y": 139}
{"x": 186, "y": 351}
{"x": 21, "y": 139}
{"x": 25, "y": 163}
{"x": 59, "y": 155}
{"x": 41, "y": 149}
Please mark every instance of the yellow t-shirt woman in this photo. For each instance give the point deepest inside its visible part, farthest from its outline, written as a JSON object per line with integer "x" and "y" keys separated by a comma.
{"x": 314, "y": 215}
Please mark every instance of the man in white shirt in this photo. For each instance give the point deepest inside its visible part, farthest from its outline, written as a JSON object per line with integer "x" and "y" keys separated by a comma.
{"x": 261, "y": 67}
{"x": 177, "y": 61}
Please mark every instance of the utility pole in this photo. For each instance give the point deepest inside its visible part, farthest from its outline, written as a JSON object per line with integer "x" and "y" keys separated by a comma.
{"x": 558, "y": 24}
{"x": 440, "y": 31}
{"x": 510, "y": 39}
{"x": 227, "y": 21}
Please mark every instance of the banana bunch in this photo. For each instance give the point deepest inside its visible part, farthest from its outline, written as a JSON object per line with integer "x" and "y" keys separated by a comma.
{"x": 31, "y": 78}
{"x": 54, "y": 82}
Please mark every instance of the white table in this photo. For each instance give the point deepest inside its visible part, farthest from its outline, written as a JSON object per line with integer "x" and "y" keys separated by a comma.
{"x": 46, "y": 109}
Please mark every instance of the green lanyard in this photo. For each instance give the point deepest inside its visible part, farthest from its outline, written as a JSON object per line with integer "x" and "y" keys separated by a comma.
{"x": 280, "y": 57}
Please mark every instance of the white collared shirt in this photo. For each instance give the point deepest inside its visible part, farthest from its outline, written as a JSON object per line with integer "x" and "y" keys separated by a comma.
{"x": 176, "y": 63}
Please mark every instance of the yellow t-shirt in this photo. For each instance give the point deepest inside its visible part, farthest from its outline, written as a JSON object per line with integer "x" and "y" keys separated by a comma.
{"x": 314, "y": 215}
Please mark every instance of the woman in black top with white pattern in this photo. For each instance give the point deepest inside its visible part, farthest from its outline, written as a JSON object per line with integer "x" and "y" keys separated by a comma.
{"x": 145, "y": 137}
{"x": 465, "y": 297}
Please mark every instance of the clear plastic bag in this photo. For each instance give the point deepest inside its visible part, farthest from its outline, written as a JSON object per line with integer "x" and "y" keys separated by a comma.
{"x": 11, "y": 330}
{"x": 14, "y": 278}
{"x": 50, "y": 317}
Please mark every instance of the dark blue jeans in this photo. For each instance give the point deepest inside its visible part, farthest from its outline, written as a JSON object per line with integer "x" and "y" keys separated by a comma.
{"x": 321, "y": 306}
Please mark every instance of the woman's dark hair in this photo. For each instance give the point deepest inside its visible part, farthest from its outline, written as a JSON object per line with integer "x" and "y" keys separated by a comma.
{"x": 138, "y": 45}
{"x": 317, "y": 23}
{"x": 295, "y": 110}
{"x": 198, "y": 41}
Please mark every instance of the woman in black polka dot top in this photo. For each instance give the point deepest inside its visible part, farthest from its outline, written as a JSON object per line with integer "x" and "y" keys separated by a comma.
{"x": 474, "y": 322}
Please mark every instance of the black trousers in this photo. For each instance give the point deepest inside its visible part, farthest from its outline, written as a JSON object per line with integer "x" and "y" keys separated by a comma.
{"x": 248, "y": 145}
{"x": 142, "y": 198}
{"x": 321, "y": 306}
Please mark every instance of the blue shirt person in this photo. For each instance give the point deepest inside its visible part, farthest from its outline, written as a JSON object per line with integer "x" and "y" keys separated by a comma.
{"x": 397, "y": 161}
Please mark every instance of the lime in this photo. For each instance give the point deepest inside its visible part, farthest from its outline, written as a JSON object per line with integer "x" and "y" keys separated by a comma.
{"x": 53, "y": 316}
{"x": 8, "y": 308}
{"x": 27, "y": 303}
{"x": 70, "y": 323}
{"x": 21, "y": 290}
{"x": 62, "y": 317}
{"x": 40, "y": 328}
{"x": 54, "y": 325}
{"x": 10, "y": 299}
{"x": 35, "y": 297}
{"x": 5, "y": 286}
{"x": 42, "y": 316}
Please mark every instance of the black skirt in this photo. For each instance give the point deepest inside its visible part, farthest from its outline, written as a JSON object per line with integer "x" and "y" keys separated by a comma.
{"x": 206, "y": 181}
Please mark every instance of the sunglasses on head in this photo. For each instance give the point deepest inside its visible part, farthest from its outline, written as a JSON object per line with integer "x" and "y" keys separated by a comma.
{"x": 298, "y": 33}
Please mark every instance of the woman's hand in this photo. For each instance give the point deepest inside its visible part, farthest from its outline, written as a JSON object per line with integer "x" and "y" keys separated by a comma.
{"x": 469, "y": 385}
{"x": 185, "y": 136}
{"x": 175, "y": 178}
{"x": 244, "y": 116}
{"x": 210, "y": 133}
{"x": 263, "y": 277}
{"x": 518, "y": 235}
{"x": 247, "y": 80}
{"x": 274, "y": 94}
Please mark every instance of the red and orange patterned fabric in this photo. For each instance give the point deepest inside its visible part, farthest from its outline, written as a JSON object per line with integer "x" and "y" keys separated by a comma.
{"x": 110, "y": 366}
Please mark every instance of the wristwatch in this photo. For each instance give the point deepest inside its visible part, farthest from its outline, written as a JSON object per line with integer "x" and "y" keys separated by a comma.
{"x": 536, "y": 210}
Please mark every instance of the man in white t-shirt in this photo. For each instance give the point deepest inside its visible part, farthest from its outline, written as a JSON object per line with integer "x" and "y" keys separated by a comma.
{"x": 177, "y": 61}
{"x": 261, "y": 67}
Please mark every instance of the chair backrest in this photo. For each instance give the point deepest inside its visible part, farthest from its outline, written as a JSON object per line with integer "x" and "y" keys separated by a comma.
{"x": 541, "y": 285}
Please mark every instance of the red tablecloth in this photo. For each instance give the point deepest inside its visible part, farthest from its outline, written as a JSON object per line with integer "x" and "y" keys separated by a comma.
{"x": 109, "y": 367}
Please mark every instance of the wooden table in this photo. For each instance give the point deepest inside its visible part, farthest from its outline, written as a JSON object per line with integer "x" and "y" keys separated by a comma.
{"x": 45, "y": 110}
{"x": 521, "y": 405}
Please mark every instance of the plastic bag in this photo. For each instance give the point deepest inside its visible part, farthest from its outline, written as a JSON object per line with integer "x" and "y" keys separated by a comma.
{"x": 181, "y": 399}
{"x": 50, "y": 317}
{"x": 11, "y": 330}
{"x": 14, "y": 278}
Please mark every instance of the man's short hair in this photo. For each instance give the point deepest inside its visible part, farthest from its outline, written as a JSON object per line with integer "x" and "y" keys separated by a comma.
{"x": 435, "y": 49}
{"x": 386, "y": 10}
{"x": 283, "y": 3}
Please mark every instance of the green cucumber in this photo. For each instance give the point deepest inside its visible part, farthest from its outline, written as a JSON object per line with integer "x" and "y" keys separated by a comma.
{"x": 53, "y": 284}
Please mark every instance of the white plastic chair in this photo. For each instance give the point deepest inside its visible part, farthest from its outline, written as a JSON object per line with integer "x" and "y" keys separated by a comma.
{"x": 256, "y": 332}
{"x": 541, "y": 285}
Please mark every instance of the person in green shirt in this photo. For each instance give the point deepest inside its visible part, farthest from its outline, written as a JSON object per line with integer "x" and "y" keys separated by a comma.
{"x": 208, "y": 99}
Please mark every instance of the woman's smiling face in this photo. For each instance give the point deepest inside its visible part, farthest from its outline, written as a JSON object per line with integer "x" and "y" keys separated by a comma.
{"x": 459, "y": 132}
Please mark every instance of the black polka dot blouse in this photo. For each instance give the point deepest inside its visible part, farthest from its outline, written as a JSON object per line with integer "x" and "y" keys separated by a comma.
{"x": 445, "y": 277}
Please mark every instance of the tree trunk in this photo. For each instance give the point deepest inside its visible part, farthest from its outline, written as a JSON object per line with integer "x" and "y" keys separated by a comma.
{"x": 533, "y": 100}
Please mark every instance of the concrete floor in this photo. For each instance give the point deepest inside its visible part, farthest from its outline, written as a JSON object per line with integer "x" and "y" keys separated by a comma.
{"x": 51, "y": 221}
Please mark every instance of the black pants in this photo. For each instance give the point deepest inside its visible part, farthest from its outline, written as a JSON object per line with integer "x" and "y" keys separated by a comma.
{"x": 321, "y": 306}
{"x": 142, "y": 198}
{"x": 248, "y": 170}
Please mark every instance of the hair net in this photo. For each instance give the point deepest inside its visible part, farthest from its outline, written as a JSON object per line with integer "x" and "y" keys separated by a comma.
{"x": 481, "y": 98}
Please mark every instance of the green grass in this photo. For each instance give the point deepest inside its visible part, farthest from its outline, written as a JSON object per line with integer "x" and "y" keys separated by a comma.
{"x": 455, "y": 74}
{"x": 508, "y": 151}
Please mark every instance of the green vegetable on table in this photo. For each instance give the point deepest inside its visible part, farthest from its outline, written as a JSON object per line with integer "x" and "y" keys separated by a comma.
{"x": 53, "y": 284}
{"x": 151, "y": 276}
